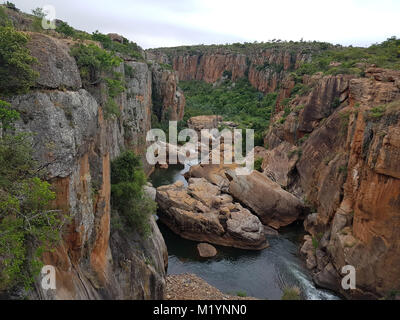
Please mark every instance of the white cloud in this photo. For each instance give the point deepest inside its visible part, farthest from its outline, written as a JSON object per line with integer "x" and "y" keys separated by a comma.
{"x": 155, "y": 23}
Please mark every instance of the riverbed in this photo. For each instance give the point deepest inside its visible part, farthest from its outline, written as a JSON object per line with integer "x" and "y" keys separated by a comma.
{"x": 262, "y": 274}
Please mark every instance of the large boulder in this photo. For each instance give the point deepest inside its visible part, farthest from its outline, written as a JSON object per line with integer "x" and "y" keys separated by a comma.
{"x": 206, "y": 250}
{"x": 273, "y": 205}
{"x": 201, "y": 212}
{"x": 279, "y": 162}
{"x": 57, "y": 69}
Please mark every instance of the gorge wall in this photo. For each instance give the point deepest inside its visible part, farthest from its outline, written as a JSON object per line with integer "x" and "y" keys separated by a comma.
{"x": 338, "y": 149}
{"x": 75, "y": 140}
{"x": 265, "y": 68}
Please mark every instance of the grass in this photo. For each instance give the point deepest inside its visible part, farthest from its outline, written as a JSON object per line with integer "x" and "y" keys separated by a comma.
{"x": 241, "y": 294}
{"x": 292, "y": 293}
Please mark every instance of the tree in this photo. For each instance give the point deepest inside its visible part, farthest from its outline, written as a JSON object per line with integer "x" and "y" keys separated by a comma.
{"x": 16, "y": 73}
{"x": 39, "y": 13}
{"x": 28, "y": 226}
{"x": 127, "y": 195}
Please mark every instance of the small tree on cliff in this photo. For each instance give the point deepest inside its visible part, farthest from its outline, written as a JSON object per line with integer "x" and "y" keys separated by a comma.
{"x": 16, "y": 73}
{"x": 127, "y": 196}
{"x": 27, "y": 225}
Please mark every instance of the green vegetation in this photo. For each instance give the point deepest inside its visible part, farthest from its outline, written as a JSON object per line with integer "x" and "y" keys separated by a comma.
{"x": 250, "y": 47}
{"x": 65, "y": 29}
{"x": 94, "y": 61}
{"x": 291, "y": 294}
{"x": 347, "y": 59}
{"x": 27, "y": 225}
{"x": 127, "y": 47}
{"x": 258, "y": 164}
{"x": 16, "y": 73}
{"x": 11, "y": 6}
{"x": 133, "y": 207}
{"x": 95, "y": 64}
{"x": 241, "y": 294}
{"x": 294, "y": 152}
{"x": 303, "y": 139}
{"x": 38, "y": 12}
{"x": 238, "y": 102}
{"x": 4, "y": 20}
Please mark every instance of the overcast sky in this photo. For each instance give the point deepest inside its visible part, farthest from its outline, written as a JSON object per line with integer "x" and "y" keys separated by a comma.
{"x": 162, "y": 23}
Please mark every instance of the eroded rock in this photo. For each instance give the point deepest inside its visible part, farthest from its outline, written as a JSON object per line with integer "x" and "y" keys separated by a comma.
{"x": 201, "y": 212}
{"x": 273, "y": 205}
{"x": 206, "y": 250}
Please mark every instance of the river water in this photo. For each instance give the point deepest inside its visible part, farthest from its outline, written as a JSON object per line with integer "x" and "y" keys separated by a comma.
{"x": 261, "y": 274}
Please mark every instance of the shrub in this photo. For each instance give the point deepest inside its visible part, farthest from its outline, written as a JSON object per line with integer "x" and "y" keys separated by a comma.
{"x": 126, "y": 47}
{"x": 258, "y": 164}
{"x": 16, "y": 73}
{"x": 335, "y": 103}
{"x": 111, "y": 108}
{"x": 241, "y": 294}
{"x": 93, "y": 61}
{"x": 4, "y": 20}
{"x": 38, "y": 12}
{"x": 27, "y": 225}
{"x": 127, "y": 196}
{"x": 65, "y": 29}
{"x": 7, "y": 115}
{"x": 291, "y": 294}
{"x": 11, "y": 6}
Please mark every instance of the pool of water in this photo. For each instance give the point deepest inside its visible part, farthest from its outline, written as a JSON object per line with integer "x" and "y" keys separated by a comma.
{"x": 261, "y": 274}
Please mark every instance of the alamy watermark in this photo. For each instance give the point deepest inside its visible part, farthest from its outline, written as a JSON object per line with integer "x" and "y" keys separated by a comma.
{"x": 349, "y": 281}
{"x": 187, "y": 147}
{"x": 48, "y": 278}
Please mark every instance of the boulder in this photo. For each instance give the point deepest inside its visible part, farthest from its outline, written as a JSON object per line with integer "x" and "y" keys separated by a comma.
{"x": 204, "y": 122}
{"x": 206, "y": 250}
{"x": 150, "y": 191}
{"x": 278, "y": 163}
{"x": 57, "y": 69}
{"x": 328, "y": 278}
{"x": 200, "y": 212}
{"x": 314, "y": 225}
{"x": 273, "y": 205}
{"x": 116, "y": 37}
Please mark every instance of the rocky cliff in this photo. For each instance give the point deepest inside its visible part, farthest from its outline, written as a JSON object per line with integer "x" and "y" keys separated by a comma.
{"x": 75, "y": 142}
{"x": 265, "y": 67}
{"x": 338, "y": 149}
{"x": 168, "y": 98}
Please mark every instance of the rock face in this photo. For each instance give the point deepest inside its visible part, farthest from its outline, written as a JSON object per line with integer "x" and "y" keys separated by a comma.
{"x": 206, "y": 250}
{"x": 273, "y": 205}
{"x": 201, "y": 212}
{"x": 265, "y": 68}
{"x": 168, "y": 99}
{"x": 57, "y": 69}
{"x": 204, "y": 122}
{"x": 76, "y": 143}
{"x": 348, "y": 172}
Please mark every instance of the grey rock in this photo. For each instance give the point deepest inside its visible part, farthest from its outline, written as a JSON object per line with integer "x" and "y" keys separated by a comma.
{"x": 57, "y": 69}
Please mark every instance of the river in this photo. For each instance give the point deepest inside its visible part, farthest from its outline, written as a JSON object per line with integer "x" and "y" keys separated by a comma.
{"x": 261, "y": 274}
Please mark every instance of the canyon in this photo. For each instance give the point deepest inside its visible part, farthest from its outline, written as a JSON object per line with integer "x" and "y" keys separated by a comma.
{"x": 334, "y": 152}
{"x": 331, "y": 158}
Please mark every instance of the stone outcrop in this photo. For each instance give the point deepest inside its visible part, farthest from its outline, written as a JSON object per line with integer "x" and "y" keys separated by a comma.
{"x": 266, "y": 69}
{"x": 348, "y": 173}
{"x": 75, "y": 143}
{"x": 201, "y": 212}
{"x": 273, "y": 205}
{"x": 204, "y": 122}
{"x": 56, "y": 68}
{"x": 168, "y": 99}
{"x": 206, "y": 250}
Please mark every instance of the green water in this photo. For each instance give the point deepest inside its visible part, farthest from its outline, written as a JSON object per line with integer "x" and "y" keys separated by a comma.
{"x": 262, "y": 274}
